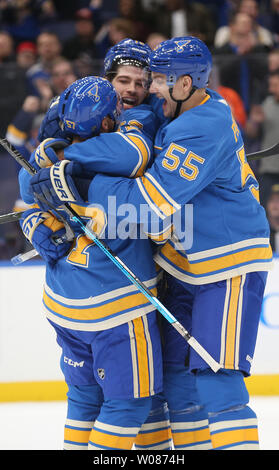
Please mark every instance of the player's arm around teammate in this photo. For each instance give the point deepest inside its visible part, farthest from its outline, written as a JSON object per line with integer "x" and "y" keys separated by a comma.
{"x": 216, "y": 283}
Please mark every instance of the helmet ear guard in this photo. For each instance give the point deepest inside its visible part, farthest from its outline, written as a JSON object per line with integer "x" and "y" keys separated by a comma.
{"x": 85, "y": 103}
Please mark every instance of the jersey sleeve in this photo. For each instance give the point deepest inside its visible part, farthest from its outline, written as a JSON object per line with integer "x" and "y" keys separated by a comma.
{"x": 127, "y": 152}
{"x": 180, "y": 171}
{"x": 123, "y": 196}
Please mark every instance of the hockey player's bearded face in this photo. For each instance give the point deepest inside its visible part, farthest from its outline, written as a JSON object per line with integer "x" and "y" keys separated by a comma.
{"x": 128, "y": 82}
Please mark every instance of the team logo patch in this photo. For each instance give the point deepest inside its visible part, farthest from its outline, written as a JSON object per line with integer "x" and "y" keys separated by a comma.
{"x": 101, "y": 373}
{"x": 94, "y": 91}
{"x": 181, "y": 44}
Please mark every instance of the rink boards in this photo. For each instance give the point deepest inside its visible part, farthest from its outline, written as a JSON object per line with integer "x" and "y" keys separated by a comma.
{"x": 29, "y": 355}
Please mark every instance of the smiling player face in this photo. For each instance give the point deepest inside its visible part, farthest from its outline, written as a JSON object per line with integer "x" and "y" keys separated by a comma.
{"x": 160, "y": 88}
{"x": 129, "y": 84}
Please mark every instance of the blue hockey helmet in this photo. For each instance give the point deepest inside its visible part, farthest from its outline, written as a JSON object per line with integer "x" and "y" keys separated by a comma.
{"x": 182, "y": 56}
{"x": 85, "y": 103}
{"x": 127, "y": 52}
{"x": 50, "y": 126}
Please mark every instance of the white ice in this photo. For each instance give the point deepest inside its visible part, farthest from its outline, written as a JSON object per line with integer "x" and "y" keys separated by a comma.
{"x": 39, "y": 425}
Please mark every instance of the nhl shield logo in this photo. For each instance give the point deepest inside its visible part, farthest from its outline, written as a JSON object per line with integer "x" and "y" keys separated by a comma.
{"x": 101, "y": 373}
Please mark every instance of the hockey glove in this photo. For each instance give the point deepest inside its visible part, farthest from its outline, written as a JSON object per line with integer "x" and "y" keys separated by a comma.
{"x": 56, "y": 184}
{"x": 45, "y": 154}
{"x": 45, "y": 233}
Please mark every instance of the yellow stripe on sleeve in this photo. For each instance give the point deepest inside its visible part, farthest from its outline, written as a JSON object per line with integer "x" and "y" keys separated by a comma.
{"x": 159, "y": 200}
{"x": 144, "y": 154}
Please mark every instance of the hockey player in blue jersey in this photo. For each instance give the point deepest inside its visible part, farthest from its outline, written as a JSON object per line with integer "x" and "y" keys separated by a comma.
{"x": 123, "y": 66}
{"x": 216, "y": 283}
{"x": 111, "y": 349}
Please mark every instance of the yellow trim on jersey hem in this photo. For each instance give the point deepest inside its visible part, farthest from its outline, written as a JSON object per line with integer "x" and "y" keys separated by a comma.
{"x": 97, "y": 313}
{"x": 219, "y": 276}
{"x": 223, "y": 262}
{"x": 55, "y": 390}
{"x": 101, "y": 325}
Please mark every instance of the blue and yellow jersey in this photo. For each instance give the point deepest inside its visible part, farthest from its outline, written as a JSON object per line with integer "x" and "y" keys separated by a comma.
{"x": 85, "y": 290}
{"x": 133, "y": 143}
{"x": 127, "y": 152}
{"x": 202, "y": 182}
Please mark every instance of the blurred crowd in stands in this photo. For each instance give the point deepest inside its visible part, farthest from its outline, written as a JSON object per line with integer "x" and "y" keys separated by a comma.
{"x": 46, "y": 44}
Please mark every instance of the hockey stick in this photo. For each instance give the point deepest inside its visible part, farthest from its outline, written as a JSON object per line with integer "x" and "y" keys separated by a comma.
{"x": 11, "y": 217}
{"x": 21, "y": 257}
{"x": 15, "y": 216}
{"x": 69, "y": 235}
{"x": 270, "y": 152}
{"x": 214, "y": 365}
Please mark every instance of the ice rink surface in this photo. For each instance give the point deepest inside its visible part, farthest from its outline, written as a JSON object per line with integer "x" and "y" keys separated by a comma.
{"x": 39, "y": 425}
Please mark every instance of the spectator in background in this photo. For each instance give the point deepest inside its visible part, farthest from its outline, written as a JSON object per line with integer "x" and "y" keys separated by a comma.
{"x": 270, "y": 18}
{"x": 231, "y": 96}
{"x": 12, "y": 82}
{"x": 49, "y": 49}
{"x": 61, "y": 76}
{"x": 263, "y": 124}
{"x": 26, "y": 55}
{"x": 6, "y": 47}
{"x": 273, "y": 59}
{"x": 154, "y": 39}
{"x": 242, "y": 62}
{"x": 20, "y": 20}
{"x": 19, "y": 132}
{"x": 112, "y": 33}
{"x": 142, "y": 21}
{"x": 83, "y": 42}
{"x": 23, "y": 129}
{"x": 177, "y": 18}
{"x": 272, "y": 211}
{"x": 262, "y": 36}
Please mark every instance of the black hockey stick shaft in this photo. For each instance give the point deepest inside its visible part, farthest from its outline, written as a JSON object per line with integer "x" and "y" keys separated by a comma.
{"x": 215, "y": 366}
{"x": 270, "y": 152}
{"x": 11, "y": 217}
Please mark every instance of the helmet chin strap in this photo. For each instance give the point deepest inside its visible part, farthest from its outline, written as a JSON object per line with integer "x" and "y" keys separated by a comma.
{"x": 179, "y": 102}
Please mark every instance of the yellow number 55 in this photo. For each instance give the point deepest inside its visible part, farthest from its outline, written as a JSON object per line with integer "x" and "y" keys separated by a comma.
{"x": 188, "y": 169}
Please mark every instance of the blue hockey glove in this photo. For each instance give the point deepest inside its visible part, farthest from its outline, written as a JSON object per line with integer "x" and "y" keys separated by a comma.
{"x": 46, "y": 234}
{"x": 45, "y": 154}
{"x": 50, "y": 126}
{"x": 56, "y": 184}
